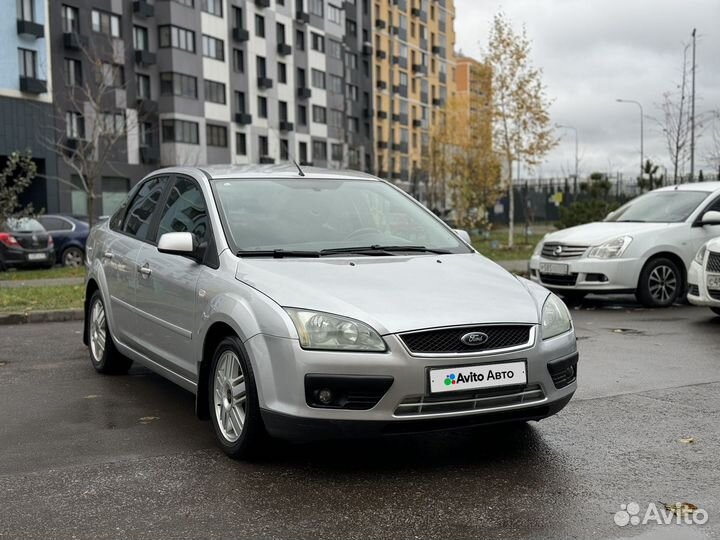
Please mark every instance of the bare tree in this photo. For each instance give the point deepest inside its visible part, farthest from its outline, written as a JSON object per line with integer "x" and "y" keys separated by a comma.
{"x": 714, "y": 154}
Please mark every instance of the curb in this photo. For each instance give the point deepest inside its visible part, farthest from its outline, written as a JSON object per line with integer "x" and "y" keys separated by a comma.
{"x": 56, "y": 315}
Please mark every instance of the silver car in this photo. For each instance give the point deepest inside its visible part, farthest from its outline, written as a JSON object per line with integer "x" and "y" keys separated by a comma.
{"x": 312, "y": 304}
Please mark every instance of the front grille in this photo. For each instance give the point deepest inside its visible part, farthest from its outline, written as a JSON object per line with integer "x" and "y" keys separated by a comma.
{"x": 713, "y": 264}
{"x": 554, "y": 250}
{"x": 714, "y": 294}
{"x": 693, "y": 290}
{"x": 564, "y": 281}
{"x": 470, "y": 401}
{"x": 449, "y": 340}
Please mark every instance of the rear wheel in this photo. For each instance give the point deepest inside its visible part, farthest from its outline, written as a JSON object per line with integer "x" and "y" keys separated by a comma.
{"x": 104, "y": 356}
{"x": 234, "y": 406}
{"x": 715, "y": 310}
{"x": 73, "y": 257}
{"x": 660, "y": 283}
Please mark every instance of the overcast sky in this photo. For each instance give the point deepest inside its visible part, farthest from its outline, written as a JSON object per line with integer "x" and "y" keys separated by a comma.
{"x": 594, "y": 51}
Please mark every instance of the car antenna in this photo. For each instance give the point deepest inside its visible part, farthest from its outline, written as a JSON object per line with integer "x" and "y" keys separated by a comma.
{"x": 300, "y": 171}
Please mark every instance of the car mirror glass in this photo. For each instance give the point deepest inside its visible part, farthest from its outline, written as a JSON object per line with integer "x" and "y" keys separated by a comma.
{"x": 711, "y": 218}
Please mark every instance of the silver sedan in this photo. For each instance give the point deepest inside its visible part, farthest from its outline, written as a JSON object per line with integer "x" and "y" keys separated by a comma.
{"x": 306, "y": 304}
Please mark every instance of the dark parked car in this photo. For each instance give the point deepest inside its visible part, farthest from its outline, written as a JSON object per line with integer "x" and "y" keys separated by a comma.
{"x": 24, "y": 243}
{"x": 69, "y": 234}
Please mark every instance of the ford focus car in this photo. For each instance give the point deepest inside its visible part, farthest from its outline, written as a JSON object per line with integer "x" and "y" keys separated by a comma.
{"x": 310, "y": 304}
{"x": 704, "y": 276}
{"x": 645, "y": 247}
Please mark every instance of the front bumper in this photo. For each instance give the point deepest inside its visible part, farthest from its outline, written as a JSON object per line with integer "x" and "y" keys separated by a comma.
{"x": 589, "y": 275}
{"x": 698, "y": 293}
{"x": 281, "y": 367}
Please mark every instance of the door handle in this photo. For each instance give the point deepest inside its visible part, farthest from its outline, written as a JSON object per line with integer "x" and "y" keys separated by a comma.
{"x": 108, "y": 255}
{"x": 145, "y": 270}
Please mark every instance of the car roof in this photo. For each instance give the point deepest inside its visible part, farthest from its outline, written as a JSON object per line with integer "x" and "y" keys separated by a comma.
{"x": 285, "y": 170}
{"x": 695, "y": 186}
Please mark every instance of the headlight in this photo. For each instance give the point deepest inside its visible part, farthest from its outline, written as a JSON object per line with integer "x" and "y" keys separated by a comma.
{"x": 555, "y": 318}
{"x": 612, "y": 249}
{"x": 318, "y": 330}
{"x": 700, "y": 256}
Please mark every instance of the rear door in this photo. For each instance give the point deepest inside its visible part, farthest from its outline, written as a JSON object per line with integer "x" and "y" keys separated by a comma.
{"x": 167, "y": 290}
{"x": 119, "y": 254}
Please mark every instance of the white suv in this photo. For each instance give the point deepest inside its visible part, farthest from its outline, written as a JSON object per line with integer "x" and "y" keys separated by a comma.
{"x": 644, "y": 247}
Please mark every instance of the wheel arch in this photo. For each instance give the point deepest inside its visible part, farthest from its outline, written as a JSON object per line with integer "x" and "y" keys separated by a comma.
{"x": 90, "y": 289}
{"x": 216, "y": 332}
{"x": 674, "y": 257}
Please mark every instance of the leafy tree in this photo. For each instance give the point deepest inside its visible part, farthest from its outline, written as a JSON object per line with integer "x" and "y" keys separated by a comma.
{"x": 522, "y": 130}
{"x": 16, "y": 176}
{"x": 649, "y": 181}
{"x": 594, "y": 205}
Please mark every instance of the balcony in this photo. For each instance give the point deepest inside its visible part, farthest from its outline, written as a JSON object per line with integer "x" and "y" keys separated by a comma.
{"x": 240, "y": 35}
{"x": 283, "y": 49}
{"x": 438, "y": 102}
{"x": 286, "y": 126}
{"x": 264, "y": 83}
{"x": 437, "y": 49}
{"x": 143, "y": 8}
{"x": 381, "y": 85}
{"x": 380, "y": 54}
{"x": 266, "y": 160}
{"x": 145, "y": 58}
{"x": 302, "y": 17}
{"x": 75, "y": 41}
{"x": 401, "y": 89}
{"x": 244, "y": 119}
{"x": 146, "y": 106}
{"x": 419, "y": 13}
{"x": 400, "y": 61}
{"x": 31, "y": 85}
{"x": 149, "y": 154}
{"x": 417, "y": 122}
{"x": 395, "y": 117}
{"x": 382, "y": 145}
{"x": 304, "y": 92}
{"x": 380, "y": 24}
{"x": 423, "y": 97}
{"x": 367, "y": 49}
{"x": 419, "y": 68}
{"x": 30, "y": 28}
{"x": 262, "y": 4}
{"x": 70, "y": 145}
{"x": 382, "y": 115}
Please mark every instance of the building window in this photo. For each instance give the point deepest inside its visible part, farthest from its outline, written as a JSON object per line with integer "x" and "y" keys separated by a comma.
{"x": 213, "y": 7}
{"x": 74, "y": 125}
{"x": 112, "y": 75}
{"x": 316, "y": 7}
{"x": 302, "y": 150}
{"x": 284, "y": 149}
{"x": 73, "y": 72}
{"x": 238, "y": 60}
{"x": 177, "y": 38}
{"x": 334, "y": 14}
{"x": 240, "y": 144}
{"x": 351, "y": 27}
{"x": 215, "y": 92}
{"x": 180, "y": 131}
{"x": 70, "y": 19}
{"x": 351, "y": 60}
{"x": 319, "y": 150}
{"x": 282, "y": 72}
{"x": 352, "y": 92}
{"x": 336, "y": 118}
{"x": 335, "y": 84}
{"x": 111, "y": 123}
{"x": 300, "y": 40}
{"x": 237, "y": 17}
{"x": 259, "y": 26}
{"x": 216, "y": 135}
{"x": 263, "y": 146}
{"x": 213, "y": 48}
{"x": 318, "y": 78}
{"x": 140, "y": 38}
{"x": 178, "y": 84}
{"x": 302, "y": 115}
{"x": 353, "y": 124}
{"x": 319, "y": 114}
{"x": 261, "y": 66}
{"x": 280, "y": 31}
{"x": 283, "y": 111}
{"x": 262, "y": 107}
{"x": 334, "y": 49}
{"x": 318, "y": 42}
{"x": 106, "y": 23}
{"x": 240, "y": 101}
{"x": 142, "y": 86}
{"x": 188, "y": 3}
{"x": 25, "y": 10}
{"x": 336, "y": 152}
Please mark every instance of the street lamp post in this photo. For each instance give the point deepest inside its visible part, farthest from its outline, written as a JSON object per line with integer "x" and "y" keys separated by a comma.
{"x": 642, "y": 130}
{"x": 562, "y": 126}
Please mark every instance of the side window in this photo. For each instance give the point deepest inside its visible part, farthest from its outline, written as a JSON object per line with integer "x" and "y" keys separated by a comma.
{"x": 54, "y": 224}
{"x": 714, "y": 206}
{"x": 140, "y": 212}
{"x": 185, "y": 210}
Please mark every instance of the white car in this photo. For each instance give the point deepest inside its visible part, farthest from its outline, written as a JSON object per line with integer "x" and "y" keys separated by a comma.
{"x": 644, "y": 247}
{"x": 704, "y": 277}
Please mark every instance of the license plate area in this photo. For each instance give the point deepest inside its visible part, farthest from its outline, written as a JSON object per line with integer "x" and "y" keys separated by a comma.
{"x": 713, "y": 282}
{"x": 472, "y": 377}
{"x": 555, "y": 269}
{"x": 36, "y": 256}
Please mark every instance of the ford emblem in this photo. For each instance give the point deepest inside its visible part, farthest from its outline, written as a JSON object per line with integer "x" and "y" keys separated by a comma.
{"x": 474, "y": 339}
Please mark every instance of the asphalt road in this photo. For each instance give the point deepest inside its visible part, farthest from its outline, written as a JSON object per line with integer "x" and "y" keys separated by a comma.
{"x": 90, "y": 456}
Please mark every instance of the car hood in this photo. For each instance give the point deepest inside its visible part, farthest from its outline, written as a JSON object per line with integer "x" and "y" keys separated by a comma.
{"x": 396, "y": 294}
{"x": 593, "y": 234}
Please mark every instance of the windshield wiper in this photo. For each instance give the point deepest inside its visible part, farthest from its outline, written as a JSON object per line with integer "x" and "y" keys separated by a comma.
{"x": 630, "y": 221}
{"x": 377, "y": 249}
{"x": 278, "y": 253}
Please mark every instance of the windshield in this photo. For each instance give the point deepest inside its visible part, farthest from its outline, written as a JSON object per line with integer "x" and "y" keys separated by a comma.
{"x": 660, "y": 207}
{"x": 24, "y": 225}
{"x": 308, "y": 214}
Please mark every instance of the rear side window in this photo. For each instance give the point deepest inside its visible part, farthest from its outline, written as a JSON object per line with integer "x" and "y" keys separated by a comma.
{"x": 185, "y": 210}
{"x": 55, "y": 224}
{"x": 138, "y": 218}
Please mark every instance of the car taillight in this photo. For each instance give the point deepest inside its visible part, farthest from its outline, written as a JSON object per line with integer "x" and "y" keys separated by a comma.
{"x": 51, "y": 242}
{"x": 8, "y": 239}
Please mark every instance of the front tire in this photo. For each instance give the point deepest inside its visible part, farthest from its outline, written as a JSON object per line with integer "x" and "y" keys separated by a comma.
{"x": 233, "y": 402}
{"x": 660, "y": 283}
{"x": 104, "y": 356}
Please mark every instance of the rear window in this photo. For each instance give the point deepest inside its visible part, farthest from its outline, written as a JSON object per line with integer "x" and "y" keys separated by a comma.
{"x": 24, "y": 225}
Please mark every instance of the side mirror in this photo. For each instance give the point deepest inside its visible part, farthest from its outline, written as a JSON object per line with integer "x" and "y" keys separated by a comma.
{"x": 464, "y": 236}
{"x": 178, "y": 243}
{"x": 711, "y": 218}
{"x": 610, "y": 215}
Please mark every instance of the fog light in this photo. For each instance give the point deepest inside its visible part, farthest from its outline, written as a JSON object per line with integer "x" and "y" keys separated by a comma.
{"x": 325, "y": 396}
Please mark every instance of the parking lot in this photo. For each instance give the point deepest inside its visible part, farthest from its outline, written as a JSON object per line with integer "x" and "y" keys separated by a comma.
{"x": 89, "y": 456}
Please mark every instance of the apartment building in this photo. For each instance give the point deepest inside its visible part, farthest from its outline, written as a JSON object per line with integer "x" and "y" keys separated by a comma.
{"x": 26, "y": 93}
{"x": 413, "y": 76}
{"x": 474, "y": 80}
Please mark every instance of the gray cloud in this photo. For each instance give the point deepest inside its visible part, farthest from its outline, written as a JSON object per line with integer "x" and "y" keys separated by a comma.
{"x": 594, "y": 51}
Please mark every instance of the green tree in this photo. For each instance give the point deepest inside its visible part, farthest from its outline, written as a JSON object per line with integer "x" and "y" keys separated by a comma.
{"x": 649, "y": 180}
{"x": 595, "y": 203}
{"x": 16, "y": 176}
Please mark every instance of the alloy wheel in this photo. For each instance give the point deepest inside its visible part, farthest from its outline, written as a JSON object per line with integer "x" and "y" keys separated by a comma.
{"x": 98, "y": 331}
{"x": 229, "y": 396}
{"x": 73, "y": 258}
{"x": 662, "y": 284}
